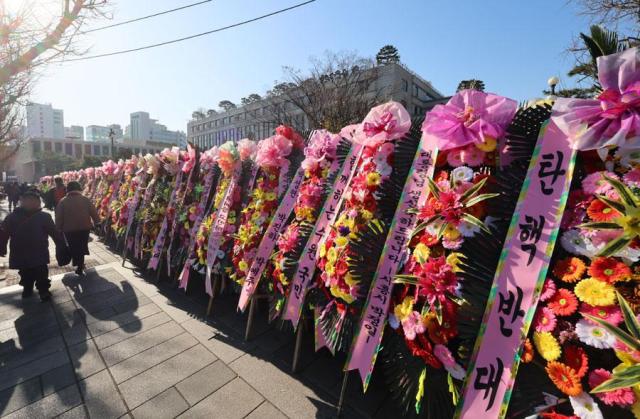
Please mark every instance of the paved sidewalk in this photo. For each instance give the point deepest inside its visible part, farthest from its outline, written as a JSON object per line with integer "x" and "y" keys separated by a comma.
{"x": 112, "y": 345}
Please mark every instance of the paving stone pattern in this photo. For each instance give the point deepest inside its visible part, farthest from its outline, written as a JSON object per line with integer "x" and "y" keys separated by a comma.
{"x": 113, "y": 344}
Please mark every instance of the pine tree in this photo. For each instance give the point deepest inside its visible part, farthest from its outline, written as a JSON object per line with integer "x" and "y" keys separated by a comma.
{"x": 388, "y": 54}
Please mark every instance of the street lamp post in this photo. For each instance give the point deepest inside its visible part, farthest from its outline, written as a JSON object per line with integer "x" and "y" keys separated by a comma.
{"x": 112, "y": 135}
{"x": 553, "y": 82}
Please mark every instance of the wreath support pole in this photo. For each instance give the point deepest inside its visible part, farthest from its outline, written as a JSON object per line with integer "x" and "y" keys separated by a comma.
{"x": 343, "y": 391}
{"x": 252, "y": 313}
{"x": 214, "y": 287}
{"x": 298, "y": 348}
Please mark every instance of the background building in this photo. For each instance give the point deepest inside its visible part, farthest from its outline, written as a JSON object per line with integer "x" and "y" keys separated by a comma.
{"x": 394, "y": 81}
{"x": 24, "y": 165}
{"x": 97, "y": 133}
{"x": 143, "y": 129}
{"x": 44, "y": 121}
{"x": 74, "y": 132}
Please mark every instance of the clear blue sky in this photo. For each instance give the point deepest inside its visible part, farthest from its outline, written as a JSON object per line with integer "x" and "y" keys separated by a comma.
{"x": 513, "y": 45}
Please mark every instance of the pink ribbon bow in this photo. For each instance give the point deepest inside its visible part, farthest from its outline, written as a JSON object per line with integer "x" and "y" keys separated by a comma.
{"x": 469, "y": 117}
{"x": 611, "y": 119}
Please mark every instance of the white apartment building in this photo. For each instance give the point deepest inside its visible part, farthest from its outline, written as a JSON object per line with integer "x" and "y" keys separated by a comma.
{"x": 44, "y": 121}
{"x": 393, "y": 82}
{"x": 143, "y": 129}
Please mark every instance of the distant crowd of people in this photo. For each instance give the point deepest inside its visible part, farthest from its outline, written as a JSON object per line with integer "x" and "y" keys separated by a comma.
{"x": 27, "y": 228}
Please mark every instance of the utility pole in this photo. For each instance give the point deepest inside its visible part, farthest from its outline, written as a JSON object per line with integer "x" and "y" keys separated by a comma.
{"x": 112, "y": 135}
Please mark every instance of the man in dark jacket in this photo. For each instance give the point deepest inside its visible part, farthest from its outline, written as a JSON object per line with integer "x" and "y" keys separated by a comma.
{"x": 28, "y": 229}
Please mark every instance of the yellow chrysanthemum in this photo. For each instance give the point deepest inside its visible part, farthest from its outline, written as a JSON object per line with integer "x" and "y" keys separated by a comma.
{"x": 341, "y": 241}
{"x": 323, "y": 250}
{"x": 451, "y": 232}
{"x": 283, "y": 279}
{"x": 454, "y": 260}
{"x": 349, "y": 280}
{"x": 402, "y": 311}
{"x": 332, "y": 255}
{"x": 243, "y": 266}
{"x": 373, "y": 179}
{"x": 547, "y": 345}
{"x": 270, "y": 196}
{"x": 489, "y": 144}
{"x": 366, "y": 215}
{"x": 421, "y": 253}
{"x": 337, "y": 292}
{"x": 595, "y": 293}
{"x": 329, "y": 268}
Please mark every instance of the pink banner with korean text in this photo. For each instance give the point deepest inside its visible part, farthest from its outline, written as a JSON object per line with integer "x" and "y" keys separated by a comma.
{"x": 519, "y": 278}
{"x": 186, "y": 269}
{"x": 268, "y": 242}
{"x": 307, "y": 262}
{"x": 366, "y": 342}
{"x": 213, "y": 243}
{"x": 160, "y": 240}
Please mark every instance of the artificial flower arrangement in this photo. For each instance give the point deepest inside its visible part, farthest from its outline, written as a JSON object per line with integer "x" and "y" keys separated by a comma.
{"x": 347, "y": 258}
{"x": 151, "y": 215}
{"x": 579, "y": 360}
{"x": 324, "y": 150}
{"x": 277, "y": 158}
{"x": 133, "y": 183}
{"x": 188, "y": 190}
{"x": 204, "y": 179}
{"x": 468, "y": 206}
{"x": 109, "y": 183}
{"x": 230, "y": 157}
{"x": 90, "y": 185}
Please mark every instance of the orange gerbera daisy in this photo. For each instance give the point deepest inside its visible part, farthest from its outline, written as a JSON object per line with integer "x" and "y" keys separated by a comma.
{"x": 569, "y": 269}
{"x": 563, "y": 303}
{"x": 576, "y": 359}
{"x": 564, "y": 377}
{"x": 609, "y": 270}
{"x": 599, "y": 211}
{"x": 527, "y": 352}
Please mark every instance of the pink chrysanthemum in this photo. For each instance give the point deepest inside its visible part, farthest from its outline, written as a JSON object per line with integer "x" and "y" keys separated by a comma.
{"x": 611, "y": 314}
{"x": 544, "y": 320}
{"x": 621, "y": 397}
{"x": 595, "y": 183}
{"x": 548, "y": 290}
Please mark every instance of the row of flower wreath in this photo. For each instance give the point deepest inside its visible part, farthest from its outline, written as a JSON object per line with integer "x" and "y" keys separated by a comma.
{"x": 575, "y": 330}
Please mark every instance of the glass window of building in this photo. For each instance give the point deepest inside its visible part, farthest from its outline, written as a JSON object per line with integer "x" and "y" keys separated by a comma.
{"x": 105, "y": 150}
{"x": 36, "y": 146}
{"x": 58, "y": 147}
{"x": 96, "y": 150}
{"x": 405, "y": 85}
{"x": 68, "y": 149}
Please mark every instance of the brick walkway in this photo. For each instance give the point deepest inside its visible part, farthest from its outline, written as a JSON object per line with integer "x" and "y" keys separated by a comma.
{"x": 113, "y": 344}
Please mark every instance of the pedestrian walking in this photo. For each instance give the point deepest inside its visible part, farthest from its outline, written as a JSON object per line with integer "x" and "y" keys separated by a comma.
{"x": 13, "y": 195}
{"x": 55, "y": 194}
{"x": 74, "y": 216}
{"x": 27, "y": 230}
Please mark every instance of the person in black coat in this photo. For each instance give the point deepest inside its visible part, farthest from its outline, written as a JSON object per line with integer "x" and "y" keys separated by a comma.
{"x": 27, "y": 229}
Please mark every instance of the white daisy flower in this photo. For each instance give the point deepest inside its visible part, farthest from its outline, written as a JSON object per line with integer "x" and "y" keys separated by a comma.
{"x": 462, "y": 174}
{"x": 584, "y": 407}
{"x": 383, "y": 168}
{"x": 573, "y": 242}
{"x": 628, "y": 157}
{"x": 629, "y": 254}
{"x": 393, "y": 321}
{"x": 549, "y": 401}
{"x": 595, "y": 336}
{"x": 468, "y": 229}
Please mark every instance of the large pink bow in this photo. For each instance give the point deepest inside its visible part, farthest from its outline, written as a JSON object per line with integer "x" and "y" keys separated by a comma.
{"x": 611, "y": 119}
{"x": 388, "y": 121}
{"x": 469, "y": 117}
